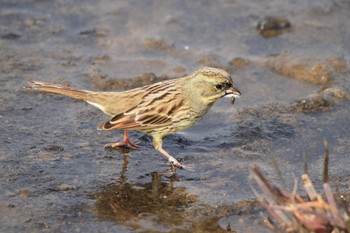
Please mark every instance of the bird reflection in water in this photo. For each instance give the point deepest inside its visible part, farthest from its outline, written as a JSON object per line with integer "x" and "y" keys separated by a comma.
{"x": 153, "y": 205}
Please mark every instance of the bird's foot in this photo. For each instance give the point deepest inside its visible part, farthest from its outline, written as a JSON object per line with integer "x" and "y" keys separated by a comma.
{"x": 174, "y": 163}
{"x": 125, "y": 144}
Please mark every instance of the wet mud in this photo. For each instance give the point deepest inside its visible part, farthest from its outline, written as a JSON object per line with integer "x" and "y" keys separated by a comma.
{"x": 56, "y": 174}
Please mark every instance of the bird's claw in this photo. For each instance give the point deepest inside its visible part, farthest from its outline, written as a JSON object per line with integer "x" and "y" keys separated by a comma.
{"x": 176, "y": 164}
{"x": 126, "y": 144}
{"x": 188, "y": 168}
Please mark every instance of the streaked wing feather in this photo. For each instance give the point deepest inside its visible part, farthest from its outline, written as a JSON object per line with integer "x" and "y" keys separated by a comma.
{"x": 156, "y": 109}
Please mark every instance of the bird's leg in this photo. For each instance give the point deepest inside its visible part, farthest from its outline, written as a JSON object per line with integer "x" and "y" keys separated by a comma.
{"x": 125, "y": 143}
{"x": 173, "y": 162}
{"x": 157, "y": 143}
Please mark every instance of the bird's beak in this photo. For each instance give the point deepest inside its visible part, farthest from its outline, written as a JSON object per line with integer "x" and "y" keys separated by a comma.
{"x": 232, "y": 92}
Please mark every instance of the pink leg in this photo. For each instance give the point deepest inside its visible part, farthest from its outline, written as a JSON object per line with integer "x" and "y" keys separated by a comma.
{"x": 157, "y": 143}
{"x": 125, "y": 143}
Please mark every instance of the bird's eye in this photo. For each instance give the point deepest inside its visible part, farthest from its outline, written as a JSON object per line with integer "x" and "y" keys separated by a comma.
{"x": 219, "y": 86}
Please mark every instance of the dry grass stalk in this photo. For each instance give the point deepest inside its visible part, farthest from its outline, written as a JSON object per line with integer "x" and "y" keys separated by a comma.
{"x": 292, "y": 213}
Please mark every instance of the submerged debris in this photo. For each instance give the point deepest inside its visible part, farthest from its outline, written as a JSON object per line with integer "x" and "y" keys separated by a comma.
{"x": 292, "y": 213}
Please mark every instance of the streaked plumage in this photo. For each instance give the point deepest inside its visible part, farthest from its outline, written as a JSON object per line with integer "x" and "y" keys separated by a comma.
{"x": 158, "y": 109}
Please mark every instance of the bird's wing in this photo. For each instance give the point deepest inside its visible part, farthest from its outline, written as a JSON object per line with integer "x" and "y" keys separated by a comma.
{"x": 156, "y": 109}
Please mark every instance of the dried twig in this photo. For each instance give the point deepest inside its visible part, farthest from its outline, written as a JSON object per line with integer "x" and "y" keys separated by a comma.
{"x": 291, "y": 213}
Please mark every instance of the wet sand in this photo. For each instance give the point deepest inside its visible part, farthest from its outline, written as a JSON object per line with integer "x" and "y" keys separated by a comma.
{"x": 55, "y": 174}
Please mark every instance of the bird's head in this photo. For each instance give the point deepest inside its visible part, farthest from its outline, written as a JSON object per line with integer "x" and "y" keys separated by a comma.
{"x": 212, "y": 84}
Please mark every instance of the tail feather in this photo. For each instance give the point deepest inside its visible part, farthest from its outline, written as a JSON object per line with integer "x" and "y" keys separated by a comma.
{"x": 105, "y": 101}
{"x": 60, "y": 89}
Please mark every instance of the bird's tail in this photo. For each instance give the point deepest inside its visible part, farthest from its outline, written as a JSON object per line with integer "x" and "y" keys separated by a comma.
{"x": 60, "y": 89}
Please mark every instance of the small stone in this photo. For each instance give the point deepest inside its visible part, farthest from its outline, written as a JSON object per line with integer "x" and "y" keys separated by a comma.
{"x": 10, "y": 194}
{"x": 29, "y": 22}
{"x": 271, "y": 26}
{"x": 54, "y": 148}
{"x": 46, "y": 156}
{"x": 11, "y": 206}
{"x": 337, "y": 92}
{"x": 67, "y": 156}
{"x": 10, "y": 36}
{"x": 238, "y": 62}
{"x": 25, "y": 193}
{"x": 83, "y": 144}
{"x": 158, "y": 44}
{"x": 66, "y": 187}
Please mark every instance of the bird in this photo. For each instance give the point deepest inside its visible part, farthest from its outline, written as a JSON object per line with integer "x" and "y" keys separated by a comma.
{"x": 157, "y": 109}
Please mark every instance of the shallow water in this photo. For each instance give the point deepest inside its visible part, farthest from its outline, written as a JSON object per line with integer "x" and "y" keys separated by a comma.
{"x": 56, "y": 175}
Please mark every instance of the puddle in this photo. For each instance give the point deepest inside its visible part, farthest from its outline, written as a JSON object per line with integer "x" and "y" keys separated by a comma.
{"x": 56, "y": 175}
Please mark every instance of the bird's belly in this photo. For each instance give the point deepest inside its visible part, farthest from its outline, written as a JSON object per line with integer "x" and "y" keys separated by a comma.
{"x": 176, "y": 126}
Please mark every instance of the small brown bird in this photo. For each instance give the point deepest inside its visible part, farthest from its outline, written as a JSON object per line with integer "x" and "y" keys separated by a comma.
{"x": 158, "y": 109}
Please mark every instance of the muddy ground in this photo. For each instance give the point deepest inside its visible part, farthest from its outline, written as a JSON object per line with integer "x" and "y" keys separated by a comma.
{"x": 56, "y": 176}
